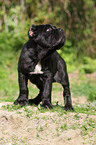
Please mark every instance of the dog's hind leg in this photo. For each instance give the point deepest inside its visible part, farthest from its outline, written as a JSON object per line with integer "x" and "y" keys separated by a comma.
{"x": 62, "y": 77}
{"x": 36, "y": 100}
{"x": 66, "y": 92}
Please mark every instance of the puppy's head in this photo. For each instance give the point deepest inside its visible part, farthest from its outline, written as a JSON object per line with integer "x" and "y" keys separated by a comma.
{"x": 47, "y": 35}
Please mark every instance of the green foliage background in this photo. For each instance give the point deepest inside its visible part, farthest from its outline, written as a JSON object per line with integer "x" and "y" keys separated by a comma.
{"x": 76, "y": 17}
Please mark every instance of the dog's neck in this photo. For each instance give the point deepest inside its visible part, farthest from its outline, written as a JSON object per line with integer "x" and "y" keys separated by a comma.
{"x": 31, "y": 43}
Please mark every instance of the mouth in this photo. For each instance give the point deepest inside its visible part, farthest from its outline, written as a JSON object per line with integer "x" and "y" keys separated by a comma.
{"x": 61, "y": 35}
{"x": 60, "y": 38}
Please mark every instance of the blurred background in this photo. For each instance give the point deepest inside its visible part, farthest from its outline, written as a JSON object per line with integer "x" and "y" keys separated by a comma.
{"x": 78, "y": 20}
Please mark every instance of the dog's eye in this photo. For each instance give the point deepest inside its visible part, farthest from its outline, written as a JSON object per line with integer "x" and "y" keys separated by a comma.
{"x": 49, "y": 29}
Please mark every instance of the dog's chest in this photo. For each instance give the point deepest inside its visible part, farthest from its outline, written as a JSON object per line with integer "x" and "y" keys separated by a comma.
{"x": 37, "y": 69}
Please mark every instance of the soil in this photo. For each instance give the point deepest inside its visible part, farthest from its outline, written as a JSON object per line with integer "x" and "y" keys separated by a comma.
{"x": 43, "y": 128}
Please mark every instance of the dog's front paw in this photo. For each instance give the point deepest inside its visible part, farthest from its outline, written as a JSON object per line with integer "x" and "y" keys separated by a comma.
{"x": 21, "y": 101}
{"x": 46, "y": 104}
{"x": 68, "y": 106}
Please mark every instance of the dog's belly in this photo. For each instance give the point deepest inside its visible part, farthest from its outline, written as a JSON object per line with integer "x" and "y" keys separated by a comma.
{"x": 38, "y": 80}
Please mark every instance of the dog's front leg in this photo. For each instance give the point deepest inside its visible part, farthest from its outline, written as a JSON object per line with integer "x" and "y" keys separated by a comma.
{"x": 23, "y": 90}
{"x": 46, "y": 96}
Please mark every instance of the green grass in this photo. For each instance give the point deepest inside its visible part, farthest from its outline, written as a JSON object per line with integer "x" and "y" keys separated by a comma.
{"x": 92, "y": 96}
{"x": 83, "y": 89}
{"x": 8, "y": 76}
{"x": 64, "y": 127}
{"x": 89, "y": 109}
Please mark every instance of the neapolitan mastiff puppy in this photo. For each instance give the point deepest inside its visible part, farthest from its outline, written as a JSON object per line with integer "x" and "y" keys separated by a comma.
{"x": 42, "y": 65}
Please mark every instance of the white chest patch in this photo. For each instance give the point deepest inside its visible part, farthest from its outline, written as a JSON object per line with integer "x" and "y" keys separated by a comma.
{"x": 37, "y": 69}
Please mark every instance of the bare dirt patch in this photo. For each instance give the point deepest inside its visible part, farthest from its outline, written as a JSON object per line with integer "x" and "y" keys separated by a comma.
{"x": 47, "y": 128}
{"x": 31, "y": 126}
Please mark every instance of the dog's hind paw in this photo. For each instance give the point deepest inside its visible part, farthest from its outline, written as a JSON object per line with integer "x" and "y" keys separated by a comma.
{"x": 46, "y": 104}
{"x": 33, "y": 101}
{"x": 16, "y": 102}
{"x": 68, "y": 106}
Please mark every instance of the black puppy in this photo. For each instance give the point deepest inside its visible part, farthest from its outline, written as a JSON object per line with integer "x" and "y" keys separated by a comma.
{"x": 42, "y": 65}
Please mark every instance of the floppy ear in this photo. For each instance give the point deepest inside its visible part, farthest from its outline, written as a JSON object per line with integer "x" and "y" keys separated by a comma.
{"x": 30, "y": 32}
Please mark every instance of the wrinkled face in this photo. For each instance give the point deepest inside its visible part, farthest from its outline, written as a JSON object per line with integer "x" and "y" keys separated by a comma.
{"x": 47, "y": 35}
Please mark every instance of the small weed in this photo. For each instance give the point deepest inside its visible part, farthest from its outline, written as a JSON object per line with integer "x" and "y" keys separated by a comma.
{"x": 41, "y": 128}
{"x": 75, "y": 126}
{"x": 69, "y": 138}
{"x": 91, "y": 122}
{"x": 38, "y": 135}
{"x": 37, "y": 118}
{"x": 84, "y": 129}
{"x": 18, "y": 112}
{"x": 23, "y": 141}
{"x": 59, "y": 109}
{"x": 83, "y": 133}
{"x": 11, "y": 107}
{"x": 64, "y": 127}
{"x": 29, "y": 113}
{"x": 45, "y": 118}
{"x": 76, "y": 116}
{"x": 57, "y": 130}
